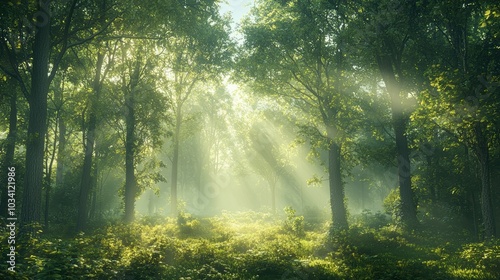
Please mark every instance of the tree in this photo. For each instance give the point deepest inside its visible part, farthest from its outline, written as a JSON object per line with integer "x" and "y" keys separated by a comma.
{"x": 387, "y": 30}
{"x": 86, "y": 184}
{"x": 192, "y": 56}
{"x": 270, "y": 161}
{"x": 462, "y": 80}
{"x": 139, "y": 117}
{"x": 297, "y": 50}
{"x": 62, "y": 19}
{"x": 37, "y": 118}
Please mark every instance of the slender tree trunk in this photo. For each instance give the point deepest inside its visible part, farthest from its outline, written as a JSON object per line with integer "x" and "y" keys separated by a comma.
{"x": 399, "y": 120}
{"x": 61, "y": 148}
{"x": 48, "y": 181}
{"x": 408, "y": 209}
{"x": 94, "y": 190}
{"x": 482, "y": 152}
{"x": 130, "y": 122}
{"x": 9, "y": 150}
{"x": 130, "y": 184}
{"x": 339, "y": 213}
{"x": 58, "y": 96}
{"x": 175, "y": 162}
{"x": 472, "y": 193}
{"x": 86, "y": 181}
{"x": 32, "y": 194}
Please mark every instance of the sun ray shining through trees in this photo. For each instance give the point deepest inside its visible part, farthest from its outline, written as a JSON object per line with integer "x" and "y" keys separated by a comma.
{"x": 249, "y": 139}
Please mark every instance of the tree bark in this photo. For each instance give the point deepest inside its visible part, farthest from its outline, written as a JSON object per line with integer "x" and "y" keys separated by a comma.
{"x": 482, "y": 152}
{"x": 61, "y": 148}
{"x": 32, "y": 194}
{"x": 339, "y": 215}
{"x": 93, "y": 203}
{"x": 86, "y": 181}
{"x": 129, "y": 163}
{"x": 408, "y": 210}
{"x": 58, "y": 96}
{"x": 48, "y": 177}
{"x": 130, "y": 122}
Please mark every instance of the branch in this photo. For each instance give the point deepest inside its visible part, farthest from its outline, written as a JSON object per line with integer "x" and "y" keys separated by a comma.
{"x": 65, "y": 41}
{"x": 108, "y": 66}
{"x": 119, "y": 37}
{"x": 85, "y": 40}
{"x": 10, "y": 52}
{"x": 300, "y": 92}
{"x": 308, "y": 87}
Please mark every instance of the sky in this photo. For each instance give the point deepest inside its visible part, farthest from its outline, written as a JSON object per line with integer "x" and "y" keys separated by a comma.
{"x": 238, "y": 9}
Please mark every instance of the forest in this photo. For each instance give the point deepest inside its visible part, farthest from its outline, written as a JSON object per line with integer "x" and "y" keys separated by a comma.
{"x": 250, "y": 139}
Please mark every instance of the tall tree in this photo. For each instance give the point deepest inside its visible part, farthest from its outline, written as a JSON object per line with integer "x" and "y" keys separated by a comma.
{"x": 297, "y": 50}
{"x": 387, "y": 30}
{"x": 193, "y": 56}
{"x": 139, "y": 117}
{"x": 86, "y": 181}
{"x": 37, "y": 100}
{"x": 464, "y": 78}
{"x": 57, "y": 28}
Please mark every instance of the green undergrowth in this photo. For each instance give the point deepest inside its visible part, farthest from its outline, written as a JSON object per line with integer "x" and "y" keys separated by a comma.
{"x": 254, "y": 245}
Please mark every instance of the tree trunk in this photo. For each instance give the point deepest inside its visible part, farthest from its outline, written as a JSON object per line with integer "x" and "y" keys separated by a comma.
{"x": 48, "y": 181}
{"x": 482, "y": 153}
{"x": 58, "y": 96}
{"x": 175, "y": 163}
{"x": 130, "y": 122}
{"x": 408, "y": 209}
{"x": 92, "y": 212}
{"x": 86, "y": 181}
{"x": 339, "y": 215}
{"x": 61, "y": 148}
{"x": 32, "y": 194}
{"x": 399, "y": 120}
{"x": 129, "y": 160}
{"x": 9, "y": 151}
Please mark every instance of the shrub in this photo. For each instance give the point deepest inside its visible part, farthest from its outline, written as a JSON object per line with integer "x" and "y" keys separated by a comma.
{"x": 483, "y": 256}
{"x": 370, "y": 220}
{"x": 188, "y": 226}
{"x": 392, "y": 205}
{"x": 293, "y": 224}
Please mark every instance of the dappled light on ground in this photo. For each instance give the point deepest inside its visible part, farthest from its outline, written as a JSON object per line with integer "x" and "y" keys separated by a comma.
{"x": 253, "y": 245}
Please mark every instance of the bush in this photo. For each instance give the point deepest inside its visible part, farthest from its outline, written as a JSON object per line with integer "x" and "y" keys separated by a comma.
{"x": 370, "y": 220}
{"x": 252, "y": 246}
{"x": 293, "y": 224}
{"x": 483, "y": 256}
{"x": 392, "y": 205}
{"x": 188, "y": 225}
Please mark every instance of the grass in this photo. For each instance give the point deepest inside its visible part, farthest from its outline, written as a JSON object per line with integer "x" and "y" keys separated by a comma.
{"x": 254, "y": 245}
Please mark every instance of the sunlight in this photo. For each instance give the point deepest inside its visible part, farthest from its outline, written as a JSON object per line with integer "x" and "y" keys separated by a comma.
{"x": 250, "y": 139}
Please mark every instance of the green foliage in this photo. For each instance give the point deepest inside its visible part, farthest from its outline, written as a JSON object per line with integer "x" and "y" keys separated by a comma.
{"x": 188, "y": 226}
{"x": 371, "y": 220}
{"x": 484, "y": 256}
{"x": 293, "y": 224}
{"x": 253, "y": 245}
{"x": 392, "y": 205}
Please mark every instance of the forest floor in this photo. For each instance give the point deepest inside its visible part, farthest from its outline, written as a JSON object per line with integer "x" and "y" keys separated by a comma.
{"x": 253, "y": 245}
